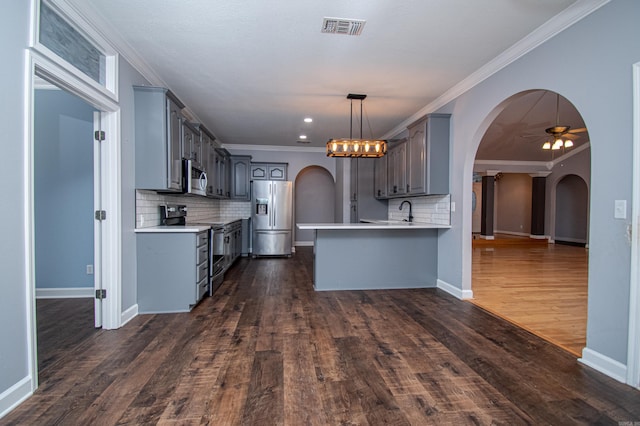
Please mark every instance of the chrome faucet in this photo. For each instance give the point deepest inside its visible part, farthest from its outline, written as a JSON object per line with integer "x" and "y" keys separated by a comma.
{"x": 410, "y": 209}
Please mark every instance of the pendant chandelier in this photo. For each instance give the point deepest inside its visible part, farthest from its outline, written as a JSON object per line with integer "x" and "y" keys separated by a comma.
{"x": 350, "y": 147}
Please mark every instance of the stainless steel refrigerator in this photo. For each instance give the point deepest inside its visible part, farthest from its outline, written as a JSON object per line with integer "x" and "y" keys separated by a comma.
{"x": 271, "y": 203}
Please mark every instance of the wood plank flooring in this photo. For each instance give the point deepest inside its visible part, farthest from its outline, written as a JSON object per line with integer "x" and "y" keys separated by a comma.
{"x": 268, "y": 350}
{"x": 540, "y": 287}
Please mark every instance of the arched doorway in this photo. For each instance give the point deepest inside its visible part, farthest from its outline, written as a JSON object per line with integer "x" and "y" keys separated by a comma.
{"x": 314, "y": 201}
{"x": 572, "y": 211}
{"x": 516, "y": 272}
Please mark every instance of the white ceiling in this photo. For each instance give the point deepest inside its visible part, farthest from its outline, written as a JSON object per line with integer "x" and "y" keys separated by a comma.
{"x": 251, "y": 70}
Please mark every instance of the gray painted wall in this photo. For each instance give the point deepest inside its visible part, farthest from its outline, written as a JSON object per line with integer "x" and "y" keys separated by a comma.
{"x": 601, "y": 50}
{"x": 127, "y": 79}
{"x": 314, "y": 200}
{"x": 513, "y": 203}
{"x": 14, "y": 36}
{"x": 63, "y": 173}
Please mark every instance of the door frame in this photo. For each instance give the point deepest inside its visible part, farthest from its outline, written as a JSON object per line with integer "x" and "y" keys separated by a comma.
{"x": 111, "y": 247}
{"x": 633, "y": 343}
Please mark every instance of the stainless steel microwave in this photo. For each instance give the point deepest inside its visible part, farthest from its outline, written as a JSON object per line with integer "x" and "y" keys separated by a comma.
{"x": 195, "y": 178}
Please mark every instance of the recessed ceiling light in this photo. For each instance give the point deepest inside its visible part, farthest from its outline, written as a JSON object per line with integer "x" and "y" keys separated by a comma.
{"x": 308, "y": 120}
{"x": 303, "y": 137}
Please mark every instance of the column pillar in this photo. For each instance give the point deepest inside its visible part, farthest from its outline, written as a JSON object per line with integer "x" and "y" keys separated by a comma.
{"x": 488, "y": 186}
{"x": 538, "y": 199}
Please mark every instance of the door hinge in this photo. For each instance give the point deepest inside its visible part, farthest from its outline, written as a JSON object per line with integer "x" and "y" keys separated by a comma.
{"x": 101, "y": 215}
{"x": 99, "y": 135}
{"x": 101, "y": 294}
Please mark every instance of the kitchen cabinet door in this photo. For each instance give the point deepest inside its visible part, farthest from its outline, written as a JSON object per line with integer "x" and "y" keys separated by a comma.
{"x": 428, "y": 156}
{"x": 396, "y": 170}
{"x": 277, "y": 171}
{"x": 222, "y": 177}
{"x": 191, "y": 148}
{"x": 380, "y": 177}
{"x": 240, "y": 165}
{"x": 269, "y": 171}
{"x": 158, "y": 139}
{"x": 416, "y": 159}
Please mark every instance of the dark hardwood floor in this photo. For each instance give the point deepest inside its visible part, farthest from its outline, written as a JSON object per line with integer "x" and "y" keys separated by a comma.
{"x": 268, "y": 350}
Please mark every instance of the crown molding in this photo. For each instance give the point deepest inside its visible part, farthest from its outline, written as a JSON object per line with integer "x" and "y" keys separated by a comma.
{"x": 278, "y": 148}
{"x": 546, "y": 31}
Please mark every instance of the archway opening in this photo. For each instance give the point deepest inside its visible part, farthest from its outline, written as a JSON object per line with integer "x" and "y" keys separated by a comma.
{"x": 527, "y": 192}
{"x": 314, "y": 201}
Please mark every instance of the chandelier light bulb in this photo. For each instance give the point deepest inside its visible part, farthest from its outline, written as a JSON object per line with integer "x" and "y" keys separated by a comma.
{"x": 335, "y": 147}
{"x": 546, "y": 145}
{"x": 377, "y": 147}
{"x": 356, "y": 147}
{"x": 366, "y": 146}
{"x": 345, "y": 147}
{"x": 568, "y": 143}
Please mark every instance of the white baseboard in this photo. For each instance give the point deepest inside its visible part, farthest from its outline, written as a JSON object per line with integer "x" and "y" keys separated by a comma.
{"x": 128, "y": 315}
{"x": 486, "y": 237}
{"x": 519, "y": 234}
{"x": 455, "y": 291}
{"x": 15, "y": 395}
{"x": 539, "y": 237}
{"x": 64, "y": 292}
{"x": 571, "y": 240}
{"x": 304, "y": 243}
{"x": 604, "y": 364}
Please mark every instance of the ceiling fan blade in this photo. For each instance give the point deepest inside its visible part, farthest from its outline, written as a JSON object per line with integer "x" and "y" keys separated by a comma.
{"x": 571, "y": 136}
{"x": 580, "y": 130}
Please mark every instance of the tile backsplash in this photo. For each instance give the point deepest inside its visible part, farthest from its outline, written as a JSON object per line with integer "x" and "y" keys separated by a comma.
{"x": 435, "y": 209}
{"x": 199, "y": 209}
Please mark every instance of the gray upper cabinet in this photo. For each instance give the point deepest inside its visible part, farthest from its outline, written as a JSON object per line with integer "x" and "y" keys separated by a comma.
{"x": 397, "y": 169}
{"x": 380, "y": 177}
{"x": 269, "y": 171}
{"x": 364, "y": 203}
{"x": 222, "y": 175}
{"x": 158, "y": 128}
{"x": 428, "y": 156}
{"x": 240, "y": 168}
{"x": 191, "y": 145}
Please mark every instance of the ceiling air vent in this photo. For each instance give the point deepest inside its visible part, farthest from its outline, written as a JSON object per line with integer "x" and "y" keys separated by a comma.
{"x": 343, "y": 26}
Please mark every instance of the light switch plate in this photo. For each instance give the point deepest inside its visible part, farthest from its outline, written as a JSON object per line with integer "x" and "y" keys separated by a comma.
{"x": 620, "y": 209}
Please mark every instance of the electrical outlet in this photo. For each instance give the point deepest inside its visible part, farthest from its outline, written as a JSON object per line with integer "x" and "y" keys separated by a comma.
{"x": 89, "y": 269}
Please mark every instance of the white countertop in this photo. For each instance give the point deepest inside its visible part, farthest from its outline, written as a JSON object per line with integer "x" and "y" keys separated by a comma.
{"x": 199, "y": 227}
{"x": 379, "y": 224}
{"x": 174, "y": 229}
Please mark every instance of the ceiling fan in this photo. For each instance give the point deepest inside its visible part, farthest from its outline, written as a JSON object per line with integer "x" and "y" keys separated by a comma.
{"x": 560, "y": 136}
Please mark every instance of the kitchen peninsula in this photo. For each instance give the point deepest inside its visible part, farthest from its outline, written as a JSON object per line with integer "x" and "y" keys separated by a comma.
{"x": 381, "y": 254}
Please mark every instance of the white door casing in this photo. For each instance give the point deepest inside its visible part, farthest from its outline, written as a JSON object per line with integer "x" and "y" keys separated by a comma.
{"x": 633, "y": 345}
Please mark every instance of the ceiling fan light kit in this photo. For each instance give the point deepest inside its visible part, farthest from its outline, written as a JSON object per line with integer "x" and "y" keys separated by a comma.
{"x": 557, "y": 132}
{"x": 358, "y": 148}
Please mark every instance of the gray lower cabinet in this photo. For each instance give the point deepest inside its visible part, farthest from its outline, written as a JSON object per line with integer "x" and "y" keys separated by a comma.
{"x": 173, "y": 270}
{"x": 232, "y": 242}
